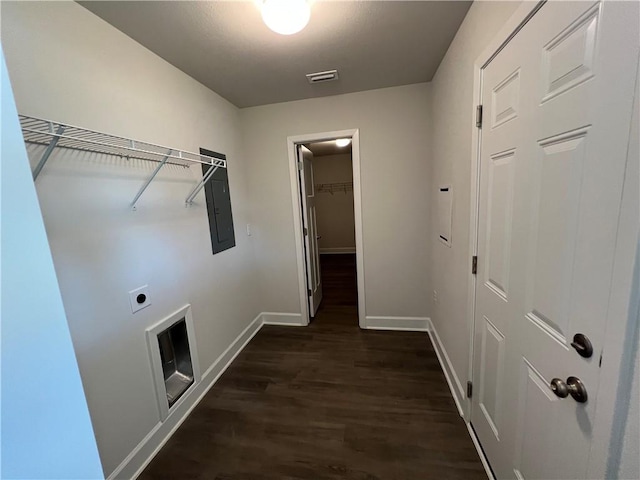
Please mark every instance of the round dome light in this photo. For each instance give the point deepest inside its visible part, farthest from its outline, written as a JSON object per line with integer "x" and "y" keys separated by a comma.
{"x": 343, "y": 142}
{"x": 286, "y": 17}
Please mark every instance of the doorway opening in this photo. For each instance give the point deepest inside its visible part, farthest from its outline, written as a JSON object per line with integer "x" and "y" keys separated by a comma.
{"x": 334, "y": 225}
{"x": 325, "y": 181}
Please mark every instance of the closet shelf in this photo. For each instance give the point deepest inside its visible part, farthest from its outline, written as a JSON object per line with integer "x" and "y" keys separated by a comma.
{"x": 334, "y": 187}
{"x": 55, "y": 134}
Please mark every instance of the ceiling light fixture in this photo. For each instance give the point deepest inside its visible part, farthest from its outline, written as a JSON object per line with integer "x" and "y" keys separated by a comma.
{"x": 343, "y": 142}
{"x": 286, "y": 17}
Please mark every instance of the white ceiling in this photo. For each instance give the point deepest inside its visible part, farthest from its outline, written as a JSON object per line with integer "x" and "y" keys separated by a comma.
{"x": 226, "y": 46}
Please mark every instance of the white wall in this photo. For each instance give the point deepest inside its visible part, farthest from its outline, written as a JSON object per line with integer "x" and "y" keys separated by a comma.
{"x": 334, "y": 211}
{"x": 394, "y": 147}
{"x": 67, "y": 64}
{"x": 46, "y": 429}
{"x": 629, "y": 457}
{"x": 624, "y": 449}
{"x": 452, "y": 112}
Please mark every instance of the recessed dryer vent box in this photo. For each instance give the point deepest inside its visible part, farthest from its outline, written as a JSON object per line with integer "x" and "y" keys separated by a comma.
{"x": 173, "y": 357}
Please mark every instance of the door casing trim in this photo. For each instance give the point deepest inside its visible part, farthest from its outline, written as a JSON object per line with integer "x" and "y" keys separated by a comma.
{"x": 292, "y": 141}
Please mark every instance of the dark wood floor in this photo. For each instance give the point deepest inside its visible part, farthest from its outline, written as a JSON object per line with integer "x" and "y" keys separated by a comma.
{"x": 329, "y": 401}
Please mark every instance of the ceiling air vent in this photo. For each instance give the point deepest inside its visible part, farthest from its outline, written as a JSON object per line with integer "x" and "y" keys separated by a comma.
{"x": 319, "y": 77}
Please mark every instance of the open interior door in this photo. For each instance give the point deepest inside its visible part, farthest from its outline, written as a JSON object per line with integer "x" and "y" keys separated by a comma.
{"x": 312, "y": 257}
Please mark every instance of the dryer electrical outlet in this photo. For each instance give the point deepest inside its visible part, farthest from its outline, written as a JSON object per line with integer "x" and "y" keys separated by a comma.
{"x": 139, "y": 298}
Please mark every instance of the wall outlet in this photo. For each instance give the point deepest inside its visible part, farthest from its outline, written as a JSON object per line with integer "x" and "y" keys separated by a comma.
{"x": 435, "y": 296}
{"x": 139, "y": 298}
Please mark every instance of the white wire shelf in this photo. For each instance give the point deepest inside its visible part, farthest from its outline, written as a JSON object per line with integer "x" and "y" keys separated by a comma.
{"x": 52, "y": 135}
{"x": 334, "y": 187}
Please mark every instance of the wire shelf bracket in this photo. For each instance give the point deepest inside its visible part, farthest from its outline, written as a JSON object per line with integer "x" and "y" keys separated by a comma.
{"x": 47, "y": 152}
{"x": 207, "y": 176}
{"x": 52, "y": 134}
{"x": 149, "y": 180}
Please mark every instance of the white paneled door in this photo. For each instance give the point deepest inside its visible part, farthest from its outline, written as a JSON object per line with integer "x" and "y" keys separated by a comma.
{"x": 312, "y": 257}
{"x": 554, "y": 140}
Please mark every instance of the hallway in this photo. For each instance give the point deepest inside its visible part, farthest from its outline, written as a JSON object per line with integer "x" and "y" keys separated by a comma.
{"x": 340, "y": 292}
{"x": 329, "y": 401}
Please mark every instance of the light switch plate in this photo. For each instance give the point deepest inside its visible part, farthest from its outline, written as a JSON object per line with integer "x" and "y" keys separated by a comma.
{"x": 139, "y": 298}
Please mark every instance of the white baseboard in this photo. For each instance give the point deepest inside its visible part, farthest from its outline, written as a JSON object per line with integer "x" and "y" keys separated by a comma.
{"x": 287, "y": 319}
{"x": 337, "y": 250}
{"x": 133, "y": 465}
{"x": 457, "y": 392}
{"x": 450, "y": 374}
{"x": 483, "y": 457}
{"x": 141, "y": 456}
{"x": 411, "y": 324}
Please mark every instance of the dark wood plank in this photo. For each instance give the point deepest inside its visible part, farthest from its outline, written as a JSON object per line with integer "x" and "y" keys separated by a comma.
{"x": 329, "y": 401}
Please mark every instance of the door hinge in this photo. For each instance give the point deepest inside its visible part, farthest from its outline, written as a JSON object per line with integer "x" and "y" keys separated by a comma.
{"x": 479, "y": 116}
{"x": 299, "y": 165}
{"x": 474, "y": 264}
{"x": 308, "y": 292}
{"x": 469, "y": 389}
{"x": 305, "y": 231}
